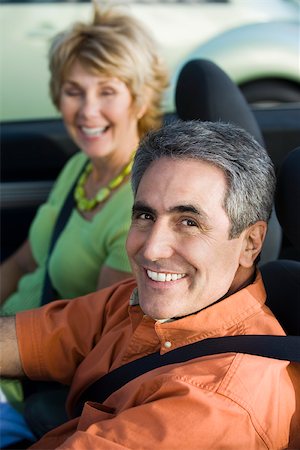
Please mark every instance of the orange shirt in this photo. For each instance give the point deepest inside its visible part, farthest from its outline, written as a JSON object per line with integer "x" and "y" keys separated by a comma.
{"x": 227, "y": 401}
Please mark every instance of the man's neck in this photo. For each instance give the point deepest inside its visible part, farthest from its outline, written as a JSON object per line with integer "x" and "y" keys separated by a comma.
{"x": 243, "y": 278}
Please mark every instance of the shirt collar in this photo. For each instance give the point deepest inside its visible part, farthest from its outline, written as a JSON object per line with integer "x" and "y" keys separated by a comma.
{"x": 217, "y": 319}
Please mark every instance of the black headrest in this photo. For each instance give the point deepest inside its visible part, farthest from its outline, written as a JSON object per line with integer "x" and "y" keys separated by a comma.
{"x": 205, "y": 92}
{"x": 287, "y": 198}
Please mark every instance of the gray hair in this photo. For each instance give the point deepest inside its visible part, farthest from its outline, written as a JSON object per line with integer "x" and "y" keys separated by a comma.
{"x": 246, "y": 164}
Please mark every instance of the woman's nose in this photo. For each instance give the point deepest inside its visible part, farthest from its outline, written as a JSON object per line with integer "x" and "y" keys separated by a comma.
{"x": 91, "y": 106}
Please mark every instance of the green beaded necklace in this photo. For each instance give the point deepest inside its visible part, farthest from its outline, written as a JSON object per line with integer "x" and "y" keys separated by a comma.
{"x": 85, "y": 204}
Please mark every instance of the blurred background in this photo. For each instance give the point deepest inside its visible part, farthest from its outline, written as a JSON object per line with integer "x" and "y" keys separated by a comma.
{"x": 256, "y": 42}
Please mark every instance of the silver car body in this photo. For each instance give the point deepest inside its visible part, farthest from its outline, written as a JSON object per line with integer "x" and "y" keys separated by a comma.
{"x": 250, "y": 39}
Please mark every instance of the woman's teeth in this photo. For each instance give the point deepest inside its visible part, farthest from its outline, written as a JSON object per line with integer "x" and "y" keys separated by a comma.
{"x": 161, "y": 276}
{"x": 93, "y": 131}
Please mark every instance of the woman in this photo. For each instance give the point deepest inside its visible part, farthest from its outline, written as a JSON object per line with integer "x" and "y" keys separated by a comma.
{"x": 107, "y": 81}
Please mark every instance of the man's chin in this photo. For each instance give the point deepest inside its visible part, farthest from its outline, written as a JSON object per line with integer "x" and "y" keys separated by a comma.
{"x": 161, "y": 302}
{"x": 159, "y": 311}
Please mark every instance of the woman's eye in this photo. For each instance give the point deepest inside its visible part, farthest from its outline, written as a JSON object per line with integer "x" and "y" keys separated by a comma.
{"x": 72, "y": 92}
{"x": 107, "y": 92}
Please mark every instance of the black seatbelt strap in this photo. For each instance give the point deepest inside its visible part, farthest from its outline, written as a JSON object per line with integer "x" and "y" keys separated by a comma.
{"x": 48, "y": 293}
{"x": 278, "y": 347}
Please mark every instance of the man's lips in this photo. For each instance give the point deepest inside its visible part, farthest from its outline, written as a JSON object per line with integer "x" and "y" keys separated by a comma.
{"x": 164, "y": 276}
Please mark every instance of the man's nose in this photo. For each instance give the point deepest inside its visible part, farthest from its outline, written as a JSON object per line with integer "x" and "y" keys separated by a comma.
{"x": 159, "y": 243}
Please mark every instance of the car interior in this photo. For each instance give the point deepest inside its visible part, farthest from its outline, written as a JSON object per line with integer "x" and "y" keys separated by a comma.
{"x": 282, "y": 276}
{"x": 203, "y": 92}
{"x": 33, "y": 154}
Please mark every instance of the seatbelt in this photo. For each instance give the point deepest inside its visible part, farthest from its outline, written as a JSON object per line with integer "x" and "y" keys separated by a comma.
{"x": 48, "y": 293}
{"x": 34, "y": 390}
{"x": 286, "y": 348}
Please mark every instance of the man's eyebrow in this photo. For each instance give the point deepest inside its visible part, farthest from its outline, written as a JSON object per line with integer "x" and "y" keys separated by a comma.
{"x": 189, "y": 209}
{"x": 142, "y": 207}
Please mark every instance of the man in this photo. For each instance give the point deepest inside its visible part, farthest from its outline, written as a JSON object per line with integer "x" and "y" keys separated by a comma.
{"x": 203, "y": 196}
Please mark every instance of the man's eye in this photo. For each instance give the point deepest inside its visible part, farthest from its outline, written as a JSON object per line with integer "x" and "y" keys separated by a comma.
{"x": 190, "y": 223}
{"x": 142, "y": 216}
{"x": 145, "y": 216}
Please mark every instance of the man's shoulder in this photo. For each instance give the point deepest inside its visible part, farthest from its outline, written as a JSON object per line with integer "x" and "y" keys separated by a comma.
{"x": 119, "y": 288}
{"x": 116, "y": 293}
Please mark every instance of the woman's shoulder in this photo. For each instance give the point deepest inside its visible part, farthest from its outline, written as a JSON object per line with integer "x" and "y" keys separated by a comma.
{"x": 121, "y": 201}
{"x": 73, "y": 166}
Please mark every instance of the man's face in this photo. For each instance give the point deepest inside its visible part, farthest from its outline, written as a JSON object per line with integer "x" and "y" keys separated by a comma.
{"x": 178, "y": 242}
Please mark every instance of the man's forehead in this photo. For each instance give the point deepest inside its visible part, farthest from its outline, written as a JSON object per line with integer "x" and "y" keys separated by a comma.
{"x": 181, "y": 164}
{"x": 176, "y": 186}
{"x": 190, "y": 171}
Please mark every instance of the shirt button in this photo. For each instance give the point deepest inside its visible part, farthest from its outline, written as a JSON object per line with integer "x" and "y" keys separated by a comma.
{"x": 168, "y": 344}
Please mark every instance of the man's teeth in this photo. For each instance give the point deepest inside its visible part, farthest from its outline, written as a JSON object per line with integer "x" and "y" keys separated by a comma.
{"x": 161, "y": 276}
{"x": 93, "y": 131}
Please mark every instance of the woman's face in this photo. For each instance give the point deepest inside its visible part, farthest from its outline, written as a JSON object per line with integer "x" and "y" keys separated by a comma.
{"x": 99, "y": 115}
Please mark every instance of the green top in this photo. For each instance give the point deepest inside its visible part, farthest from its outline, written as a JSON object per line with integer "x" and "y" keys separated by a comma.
{"x": 82, "y": 248}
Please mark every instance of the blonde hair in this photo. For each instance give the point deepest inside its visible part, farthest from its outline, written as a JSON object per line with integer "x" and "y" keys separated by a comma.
{"x": 116, "y": 45}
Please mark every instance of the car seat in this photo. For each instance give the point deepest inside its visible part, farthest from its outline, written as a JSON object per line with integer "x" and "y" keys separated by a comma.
{"x": 205, "y": 92}
{"x": 282, "y": 277}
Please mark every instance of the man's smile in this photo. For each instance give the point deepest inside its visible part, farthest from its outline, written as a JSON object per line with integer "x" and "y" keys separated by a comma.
{"x": 164, "y": 276}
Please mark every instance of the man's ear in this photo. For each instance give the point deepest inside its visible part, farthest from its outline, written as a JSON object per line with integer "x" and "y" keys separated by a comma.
{"x": 252, "y": 244}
